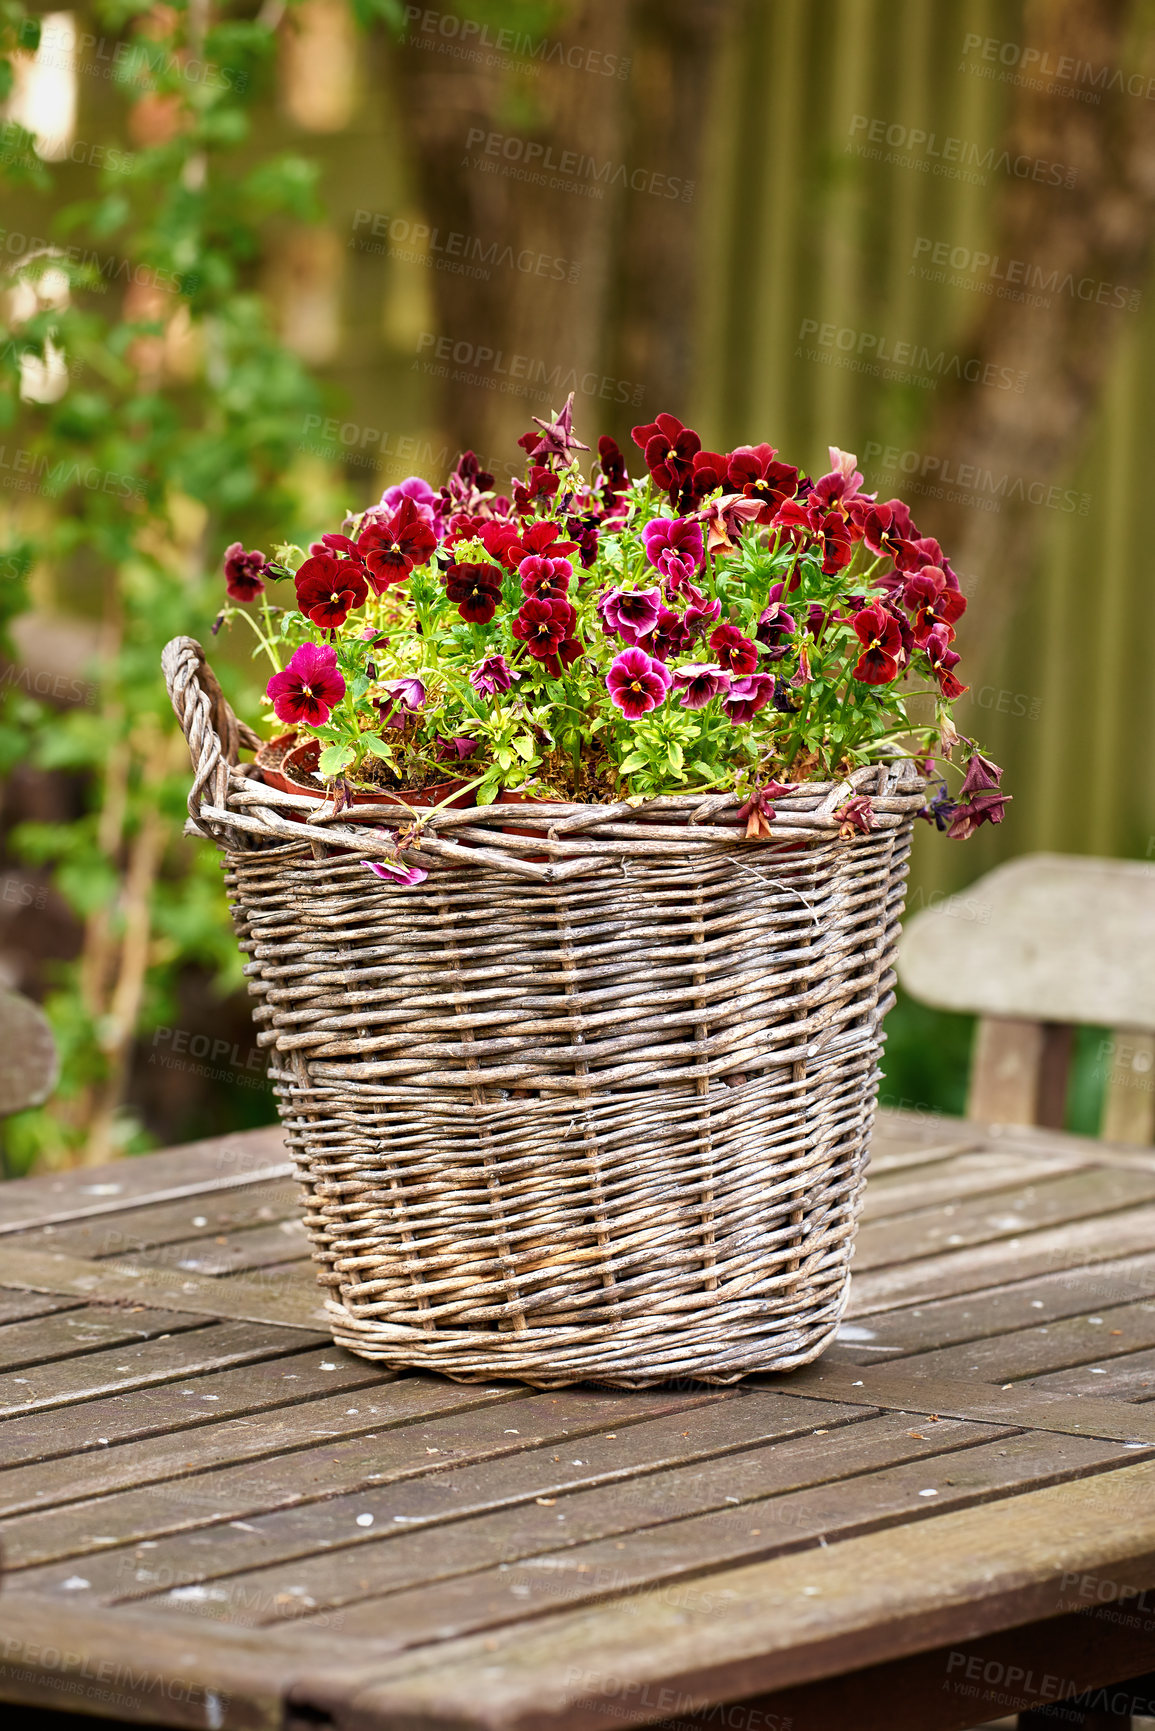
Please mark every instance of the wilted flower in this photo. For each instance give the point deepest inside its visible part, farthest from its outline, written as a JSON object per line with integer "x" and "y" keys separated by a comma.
{"x": 856, "y": 814}
{"x": 308, "y": 688}
{"x": 403, "y": 697}
{"x": 556, "y": 439}
{"x": 774, "y": 624}
{"x": 244, "y": 572}
{"x": 981, "y": 775}
{"x": 981, "y": 808}
{"x": 636, "y": 683}
{"x": 699, "y": 682}
{"x": 459, "y": 747}
{"x": 491, "y": 676}
{"x": 758, "y": 812}
{"x": 393, "y": 872}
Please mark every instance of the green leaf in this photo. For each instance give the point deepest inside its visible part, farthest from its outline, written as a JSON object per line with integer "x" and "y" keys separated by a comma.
{"x": 636, "y": 760}
{"x": 377, "y": 747}
{"x": 335, "y": 758}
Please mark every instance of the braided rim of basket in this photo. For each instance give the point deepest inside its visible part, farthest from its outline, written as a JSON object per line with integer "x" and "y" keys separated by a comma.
{"x": 228, "y": 804}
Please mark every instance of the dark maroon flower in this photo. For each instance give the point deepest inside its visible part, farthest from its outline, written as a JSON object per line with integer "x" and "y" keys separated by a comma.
{"x": 491, "y": 675}
{"x": 308, "y": 688}
{"x": 982, "y": 808}
{"x": 747, "y": 696}
{"x": 775, "y": 624}
{"x": 556, "y": 439}
{"x": 708, "y": 473}
{"x": 630, "y": 613}
{"x": 393, "y": 547}
{"x": 737, "y": 653}
{"x": 339, "y": 544}
{"x": 669, "y": 636}
{"x": 585, "y": 532}
{"x": 699, "y": 682}
{"x": 674, "y": 546}
{"x": 636, "y": 683}
{"x": 569, "y": 650}
{"x": 837, "y": 543}
{"x": 754, "y": 473}
{"x": 856, "y": 814}
{"x": 543, "y": 625}
{"x": 981, "y": 775}
{"x": 670, "y": 449}
{"x": 878, "y": 632}
{"x": 543, "y": 578}
{"x": 244, "y": 572}
{"x": 329, "y": 588}
{"x": 476, "y": 589}
{"x": 942, "y": 658}
{"x": 931, "y": 603}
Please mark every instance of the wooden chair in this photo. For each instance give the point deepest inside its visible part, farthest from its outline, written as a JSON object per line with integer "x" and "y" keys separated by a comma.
{"x": 1035, "y": 949}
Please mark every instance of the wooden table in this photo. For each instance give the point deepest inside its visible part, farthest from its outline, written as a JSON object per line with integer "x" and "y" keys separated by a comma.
{"x": 213, "y": 1517}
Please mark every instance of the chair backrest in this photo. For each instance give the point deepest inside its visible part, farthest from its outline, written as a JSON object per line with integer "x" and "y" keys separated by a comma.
{"x": 1038, "y": 946}
{"x": 29, "y": 1066}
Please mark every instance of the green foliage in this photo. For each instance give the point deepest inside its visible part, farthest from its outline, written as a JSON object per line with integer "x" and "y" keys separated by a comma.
{"x": 176, "y": 435}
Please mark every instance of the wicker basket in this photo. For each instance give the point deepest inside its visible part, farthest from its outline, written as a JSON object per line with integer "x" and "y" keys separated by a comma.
{"x": 591, "y": 1103}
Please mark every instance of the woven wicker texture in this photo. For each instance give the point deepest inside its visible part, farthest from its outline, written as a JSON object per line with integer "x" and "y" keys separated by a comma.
{"x": 590, "y": 1103}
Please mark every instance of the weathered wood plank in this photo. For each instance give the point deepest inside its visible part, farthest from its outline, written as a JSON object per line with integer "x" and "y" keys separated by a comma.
{"x": 893, "y": 1388}
{"x": 904, "y": 1190}
{"x": 1048, "y": 1202}
{"x": 141, "y": 1225}
{"x": 1081, "y": 1244}
{"x": 365, "y": 1464}
{"x": 17, "y": 1306}
{"x": 573, "y": 1510}
{"x": 65, "y": 1382}
{"x": 1093, "y": 1337}
{"x": 1018, "y": 1071}
{"x": 997, "y": 1310}
{"x": 1129, "y": 1104}
{"x": 87, "y": 1329}
{"x": 743, "y": 1632}
{"x": 286, "y": 1303}
{"x": 1129, "y": 1378}
{"x": 675, "y": 1551}
{"x": 651, "y": 1471}
{"x": 262, "y": 1394}
{"x": 192, "y": 1169}
{"x": 232, "y": 1252}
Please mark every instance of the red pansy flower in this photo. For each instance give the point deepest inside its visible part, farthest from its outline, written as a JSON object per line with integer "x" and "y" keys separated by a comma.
{"x": 737, "y": 653}
{"x": 544, "y": 579}
{"x": 543, "y": 626}
{"x": 391, "y": 548}
{"x": 942, "y": 658}
{"x": 670, "y": 449}
{"x": 753, "y": 472}
{"x": 931, "y": 603}
{"x": 476, "y": 588}
{"x": 699, "y": 682}
{"x": 747, "y": 696}
{"x": 668, "y": 637}
{"x": 636, "y": 683}
{"x": 881, "y": 639}
{"x": 308, "y": 688}
{"x": 329, "y": 588}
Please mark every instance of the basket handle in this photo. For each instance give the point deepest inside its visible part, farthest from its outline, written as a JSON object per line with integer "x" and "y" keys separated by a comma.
{"x": 213, "y": 732}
